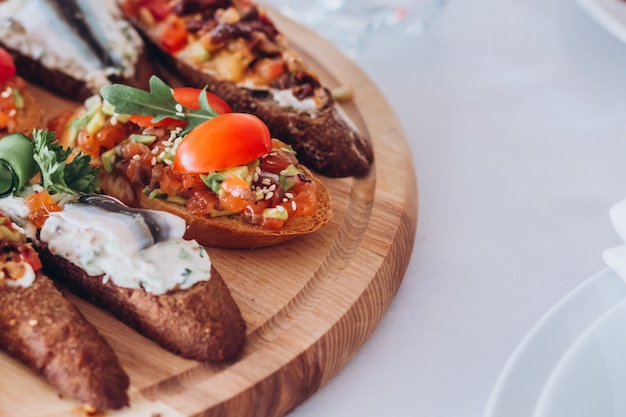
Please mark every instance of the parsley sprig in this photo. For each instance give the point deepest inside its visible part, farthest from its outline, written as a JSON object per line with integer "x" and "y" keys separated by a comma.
{"x": 159, "y": 102}
{"x": 59, "y": 173}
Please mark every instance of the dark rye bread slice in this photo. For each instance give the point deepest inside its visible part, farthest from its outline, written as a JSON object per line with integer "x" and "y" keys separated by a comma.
{"x": 200, "y": 323}
{"x": 322, "y": 135}
{"x": 325, "y": 142}
{"x": 65, "y": 84}
{"x": 43, "y": 330}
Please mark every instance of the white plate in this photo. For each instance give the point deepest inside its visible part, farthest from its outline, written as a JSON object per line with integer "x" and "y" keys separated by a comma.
{"x": 610, "y": 14}
{"x": 538, "y": 376}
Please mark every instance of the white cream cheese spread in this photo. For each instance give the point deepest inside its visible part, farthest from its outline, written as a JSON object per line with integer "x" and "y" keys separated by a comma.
{"x": 121, "y": 246}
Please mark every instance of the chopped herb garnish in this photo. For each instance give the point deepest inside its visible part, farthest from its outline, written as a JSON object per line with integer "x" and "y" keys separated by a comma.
{"x": 57, "y": 173}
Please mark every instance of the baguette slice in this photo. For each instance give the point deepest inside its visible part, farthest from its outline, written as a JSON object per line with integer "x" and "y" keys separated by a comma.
{"x": 225, "y": 231}
{"x": 43, "y": 330}
{"x": 200, "y": 323}
{"x": 234, "y": 48}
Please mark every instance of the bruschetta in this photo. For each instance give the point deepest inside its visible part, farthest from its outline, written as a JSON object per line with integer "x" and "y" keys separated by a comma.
{"x": 43, "y": 330}
{"x": 235, "y": 49}
{"x": 183, "y": 151}
{"x": 19, "y": 111}
{"x": 72, "y": 48}
{"x": 132, "y": 262}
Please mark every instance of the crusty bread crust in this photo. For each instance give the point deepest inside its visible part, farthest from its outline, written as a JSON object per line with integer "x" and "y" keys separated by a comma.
{"x": 226, "y": 231}
{"x": 325, "y": 142}
{"x": 201, "y": 323}
{"x": 43, "y": 330}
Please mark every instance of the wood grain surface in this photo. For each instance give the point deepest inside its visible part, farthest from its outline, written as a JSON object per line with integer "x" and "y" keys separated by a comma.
{"x": 309, "y": 304}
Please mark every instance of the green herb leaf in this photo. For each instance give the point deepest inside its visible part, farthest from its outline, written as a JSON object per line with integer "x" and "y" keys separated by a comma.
{"x": 59, "y": 175}
{"x": 159, "y": 103}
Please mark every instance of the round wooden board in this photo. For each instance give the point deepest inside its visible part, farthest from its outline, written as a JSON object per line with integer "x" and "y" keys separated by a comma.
{"x": 309, "y": 304}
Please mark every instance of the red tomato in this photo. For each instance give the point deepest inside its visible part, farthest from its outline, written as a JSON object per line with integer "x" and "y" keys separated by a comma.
{"x": 31, "y": 257}
{"x": 146, "y": 121}
{"x": 7, "y": 66}
{"x": 174, "y": 37}
{"x": 189, "y": 97}
{"x": 226, "y": 141}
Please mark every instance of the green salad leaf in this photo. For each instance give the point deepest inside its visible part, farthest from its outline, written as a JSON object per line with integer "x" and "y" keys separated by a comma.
{"x": 159, "y": 103}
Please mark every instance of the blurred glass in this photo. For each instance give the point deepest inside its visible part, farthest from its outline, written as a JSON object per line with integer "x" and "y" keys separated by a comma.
{"x": 350, "y": 23}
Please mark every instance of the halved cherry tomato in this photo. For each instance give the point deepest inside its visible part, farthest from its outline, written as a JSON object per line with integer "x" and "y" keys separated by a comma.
{"x": 7, "y": 66}
{"x": 226, "y": 141}
{"x": 189, "y": 97}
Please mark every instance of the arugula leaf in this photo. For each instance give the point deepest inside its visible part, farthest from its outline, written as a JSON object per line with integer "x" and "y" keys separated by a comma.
{"x": 57, "y": 173}
{"x": 159, "y": 102}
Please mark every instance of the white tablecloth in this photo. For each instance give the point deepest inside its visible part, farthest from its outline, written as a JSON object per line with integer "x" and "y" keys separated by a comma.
{"x": 515, "y": 112}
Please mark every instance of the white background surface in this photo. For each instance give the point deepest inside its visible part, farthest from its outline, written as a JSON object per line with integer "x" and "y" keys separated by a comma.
{"x": 515, "y": 111}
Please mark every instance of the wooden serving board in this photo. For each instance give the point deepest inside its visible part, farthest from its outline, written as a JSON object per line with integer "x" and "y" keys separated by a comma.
{"x": 309, "y": 304}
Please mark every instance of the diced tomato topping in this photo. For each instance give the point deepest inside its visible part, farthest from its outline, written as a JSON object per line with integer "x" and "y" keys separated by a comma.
{"x": 171, "y": 181}
{"x": 202, "y": 202}
{"x": 235, "y": 194}
{"x": 40, "y": 205}
{"x": 159, "y": 9}
{"x": 253, "y": 213}
{"x": 174, "y": 37}
{"x": 305, "y": 198}
{"x": 30, "y": 256}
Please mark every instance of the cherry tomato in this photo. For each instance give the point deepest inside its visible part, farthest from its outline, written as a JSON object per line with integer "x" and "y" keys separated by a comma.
{"x": 226, "y": 141}
{"x": 189, "y": 96}
{"x": 7, "y": 66}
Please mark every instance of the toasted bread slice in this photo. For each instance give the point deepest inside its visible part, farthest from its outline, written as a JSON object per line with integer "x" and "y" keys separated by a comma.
{"x": 30, "y": 116}
{"x": 234, "y": 49}
{"x": 200, "y": 323}
{"x": 43, "y": 330}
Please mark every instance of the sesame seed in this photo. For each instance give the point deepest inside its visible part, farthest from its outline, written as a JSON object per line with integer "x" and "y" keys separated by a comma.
{"x": 269, "y": 195}
{"x": 12, "y": 112}
{"x": 32, "y": 322}
{"x": 113, "y": 121}
{"x": 153, "y": 160}
{"x": 162, "y": 155}
{"x": 7, "y": 93}
{"x": 168, "y": 149}
{"x": 293, "y": 205}
{"x": 179, "y": 108}
{"x": 154, "y": 151}
{"x": 285, "y": 200}
{"x": 255, "y": 177}
{"x": 280, "y": 208}
{"x": 266, "y": 181}
{"x": 136, "y": 157}
{"x": 168, "y": 142}
{"x": 168, "y": 161}
{"x": 284, "y": 172}
{"x": 289, "y": 195}
{"x": 272, "y": 187}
